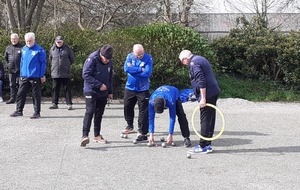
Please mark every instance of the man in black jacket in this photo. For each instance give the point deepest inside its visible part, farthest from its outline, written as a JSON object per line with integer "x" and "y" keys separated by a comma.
{"x": 97, "y": 74}
{"x": 61, "y": 57}
{"x": 12, "y": 57}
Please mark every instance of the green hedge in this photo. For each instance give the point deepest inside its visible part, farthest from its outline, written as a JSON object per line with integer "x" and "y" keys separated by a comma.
{"x": 255, "y": 52}
{"x": 163, "y": 41}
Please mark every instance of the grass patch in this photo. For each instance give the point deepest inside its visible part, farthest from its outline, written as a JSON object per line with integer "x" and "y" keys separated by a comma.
{"x": 255, "y": 90}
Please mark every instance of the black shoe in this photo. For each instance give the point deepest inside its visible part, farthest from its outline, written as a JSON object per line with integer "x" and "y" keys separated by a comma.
{"x": 35, "y": 115}
{"x": 187, "y": 142}
{"x": 10, "y": 101}
{"x": 141, "y": 138}
{"x": 16, "y": 114}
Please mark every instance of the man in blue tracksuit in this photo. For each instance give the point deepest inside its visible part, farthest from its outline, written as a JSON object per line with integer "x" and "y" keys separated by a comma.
{"x": 97, "y": 74}
{"x": 207, "y": 90}
{"x": 166, "y": 97}
{"x": 32, "y": 75}
{"x": 138, "y": 66}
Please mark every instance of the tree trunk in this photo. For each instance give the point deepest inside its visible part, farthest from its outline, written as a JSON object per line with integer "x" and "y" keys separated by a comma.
{"x": 38, "y": 15}
{"x": 167, "y": 11}
{"x": 11, "y": 16}
{"x": 184, "y": 15}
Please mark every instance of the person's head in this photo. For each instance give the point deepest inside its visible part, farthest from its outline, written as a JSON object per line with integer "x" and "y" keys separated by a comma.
{"x": 159, "y": 104}
{"x": 29, "y": 39}
{"x": 185, "y": 56}
{"x": 138, "y": 51}
{"x": 14, "y": 38}
{"x": 106, "y": 52}
{"x": 59, "y": 41}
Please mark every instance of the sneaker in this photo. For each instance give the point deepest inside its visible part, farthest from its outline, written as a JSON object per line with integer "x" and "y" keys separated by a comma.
{"x": 84, "y": 141}
{"x": 1, "y": 99}
{"x": 16, "y": 114}
{"x": 35, "y": 115}
{"x": 198, "y": 149}
{"x": 100, "y": 139}
{"x": 69, "y": 107}
{"x": 187, "y": 142}
{"x": 10, "y": 101}
{"x": 54, "y": 106}
{"x": 141, "y": 137}
{"x": 128, "y": 129}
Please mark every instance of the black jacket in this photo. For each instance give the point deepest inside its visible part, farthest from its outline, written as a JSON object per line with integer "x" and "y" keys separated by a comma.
{"x": 12, "y": 57}
{"x": 95, "y": 73}
{"x": 61, "y": 60}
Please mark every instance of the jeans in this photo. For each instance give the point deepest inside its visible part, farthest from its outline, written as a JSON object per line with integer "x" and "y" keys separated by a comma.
{"x": 207, "y": 122}
{"x": 130, "y": 100}
{"x": 56, "y": 83}
{"x": 94, "y": 108}
{"x": 25, "y": 85}
{"x": 182, "y": 120}
{"x": 13, "y": 84}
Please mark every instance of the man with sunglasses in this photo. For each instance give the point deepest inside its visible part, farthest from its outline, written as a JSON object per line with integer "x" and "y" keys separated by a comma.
{"x": 168, "y": 97}
{"x": 138, "y": 66}
{"x": 61, "y": 57}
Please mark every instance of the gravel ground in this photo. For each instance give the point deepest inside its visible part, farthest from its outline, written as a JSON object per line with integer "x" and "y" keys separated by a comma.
{"x": 259, "y": 149}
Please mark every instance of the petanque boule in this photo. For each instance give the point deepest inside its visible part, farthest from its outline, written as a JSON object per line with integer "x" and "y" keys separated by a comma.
{"x": 134, "y": 142}
{"x": 189, "y": 155}
{"x": 163, "y": 145}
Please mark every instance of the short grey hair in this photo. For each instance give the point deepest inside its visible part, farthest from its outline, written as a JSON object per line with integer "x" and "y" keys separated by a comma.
{"x": 185, "y": 54}
{"x": 14, "y": 35}
{"x": 138, "y": 47}
{"x": 30, "y": 35}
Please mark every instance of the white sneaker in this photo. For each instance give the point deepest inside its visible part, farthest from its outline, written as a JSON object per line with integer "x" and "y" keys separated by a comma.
{"x": 1, "y": 99}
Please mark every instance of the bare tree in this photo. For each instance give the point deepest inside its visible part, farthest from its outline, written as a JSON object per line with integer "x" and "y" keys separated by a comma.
{"x": 20, "y": 13}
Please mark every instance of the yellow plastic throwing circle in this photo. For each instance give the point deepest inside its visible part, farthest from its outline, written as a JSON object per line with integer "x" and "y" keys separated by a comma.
{"x": 222, "y": 129}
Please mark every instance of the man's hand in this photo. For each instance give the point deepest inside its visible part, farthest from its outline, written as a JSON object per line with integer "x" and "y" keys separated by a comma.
{"x": 103, "y": 87}
{"x": 110, "y": 97}
{"x": 43, "y": 79}
{"x": 202, "y": 103}
{"x": 170, "y": 139}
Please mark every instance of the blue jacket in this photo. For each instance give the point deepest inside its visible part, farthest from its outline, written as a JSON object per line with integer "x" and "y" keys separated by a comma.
{"x": 138, "y": 80}
{"x": 95, "y": 73}
{"x": 202, "y": 76}
{"x": 170, "y": 94}
{"x": 33, "y": 62}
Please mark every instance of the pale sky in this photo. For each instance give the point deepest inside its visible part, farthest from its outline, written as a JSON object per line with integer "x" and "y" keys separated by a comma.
{"x": 246, "y": 6}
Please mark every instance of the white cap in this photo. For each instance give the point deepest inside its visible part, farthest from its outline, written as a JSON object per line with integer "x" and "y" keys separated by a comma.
{"x": 185, "y": 54}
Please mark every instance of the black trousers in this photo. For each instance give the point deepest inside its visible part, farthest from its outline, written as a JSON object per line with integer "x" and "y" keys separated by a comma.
{"x": 182, "y": 120}
{"x": 25, "y": 85}
{"x": 56, "y": 84}
{"x": 13, "y": 84}
{"x": 95, "y": 107}
{"x": 130, "y": 100}
{"x": 207, "y": 122}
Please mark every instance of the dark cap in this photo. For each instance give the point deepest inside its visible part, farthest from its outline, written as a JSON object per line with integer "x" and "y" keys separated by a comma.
{"x": 59, "y": 38}
{"x": 159, "y": 105}
{"x": 106, "y": 51}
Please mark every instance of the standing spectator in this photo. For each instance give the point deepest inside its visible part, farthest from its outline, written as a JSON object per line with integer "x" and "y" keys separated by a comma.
{"x": 168, "y": 97}
{"x": 138, "y": 66}
{"x": 32, "y": 74}
{"x": 12, "y": 57}
{"x": 207, "y": 90}
{"x": 1, "y": 80}
{"x": 97, "y": 74}
{"x": 61, "y": 57}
